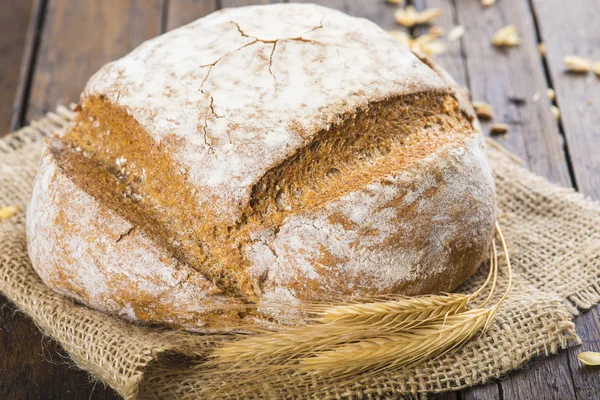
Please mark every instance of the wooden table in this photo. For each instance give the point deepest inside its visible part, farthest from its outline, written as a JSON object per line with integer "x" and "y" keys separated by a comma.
{"x": 49, "y": 48}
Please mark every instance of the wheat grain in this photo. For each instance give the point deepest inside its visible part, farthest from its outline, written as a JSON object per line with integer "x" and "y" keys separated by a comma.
{"x": 7, "y": 212}
{"x": 425, "y": 43}
{"x": 456, "y": 33}
{"x": 506, "y": 37}
{"x": 410, "y": 17}
{"x": 577, "y": 64}
{"x": 499, "y": 128}
{"x": 596, "y": 68}
{"x": 437, "y": 31}
{"x": 350, "y": 341}
{"x": 555, "y": 111}
{"x": 483, "y": 110}
{"x": 590, "y": 358}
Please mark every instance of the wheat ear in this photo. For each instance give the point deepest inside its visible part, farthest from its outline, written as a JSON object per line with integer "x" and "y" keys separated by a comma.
{"x": 401, "y": 350}
{"x": 339, "y": 325}
{"x": 353, "y": 340}
{"x": 428, "y": 340}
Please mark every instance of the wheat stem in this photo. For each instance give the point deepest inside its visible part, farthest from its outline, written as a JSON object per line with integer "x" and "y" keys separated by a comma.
{"x": 349, "y": 340}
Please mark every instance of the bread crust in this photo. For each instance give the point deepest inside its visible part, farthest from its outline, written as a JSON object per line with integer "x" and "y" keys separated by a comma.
{"x": 84, "y": 250}
{"x": 219, "y": 105}
{"x": 241, "y": 90}
{"x": 423, "y": 230}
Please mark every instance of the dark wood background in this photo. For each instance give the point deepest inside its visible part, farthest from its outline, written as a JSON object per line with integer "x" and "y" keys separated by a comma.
{"x": 49, "y": 48}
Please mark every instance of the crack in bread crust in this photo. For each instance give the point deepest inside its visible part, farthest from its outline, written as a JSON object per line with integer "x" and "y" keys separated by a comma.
{"x": 367, "y": 145}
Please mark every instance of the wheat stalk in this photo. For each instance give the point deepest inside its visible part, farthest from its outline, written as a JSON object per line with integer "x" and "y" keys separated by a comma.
{"x": 339, "y": 325}
{"x": 350, "y": 340}
{"x": 399, "y": 314}
{"x": 402, "y": 350}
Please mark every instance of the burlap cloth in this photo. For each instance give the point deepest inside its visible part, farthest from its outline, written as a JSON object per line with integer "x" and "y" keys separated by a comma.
{"x": 554, "y": 241}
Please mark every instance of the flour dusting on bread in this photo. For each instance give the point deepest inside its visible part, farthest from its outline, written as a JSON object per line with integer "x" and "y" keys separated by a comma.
{"x": 275, "y": 154}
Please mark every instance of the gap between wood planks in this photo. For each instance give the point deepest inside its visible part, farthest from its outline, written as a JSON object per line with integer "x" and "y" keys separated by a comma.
{"x": 548, "y": 76}
{"x": 28, "y": 63}
{"x": 497, "y": 390}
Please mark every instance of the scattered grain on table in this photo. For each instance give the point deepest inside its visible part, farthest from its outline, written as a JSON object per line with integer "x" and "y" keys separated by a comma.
{"x": 590, "y": 358}
{"x": 483, "y": 110}
{"x": 506, "y": 37}
{"x": 436, "y": 30}
{"x": 597, "y": 68}
{"x": 410, "y": 17}
{"x": 542, "y": 49}
{"x": 498, "y": 128}
{"x": 8, "y": 211}
{"x": 487, "y": 3}
{"x": 551, "y": 94}
{"x": 427, "y": 44}
{"x": 555, "y": 112}
{"x": 456, "y": 33}
{"x": 577, "y": 64}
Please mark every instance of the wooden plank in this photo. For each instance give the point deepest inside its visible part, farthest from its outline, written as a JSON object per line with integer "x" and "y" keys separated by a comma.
{"x": 543, "y": 378}
{"x": 181, "y": 12}
{"x": 453, "y": 59}
{"x": 533, "y": 132}
{"x": 587, "y": 384}
{"x": 572, "y": 28}
{"x": 241, "y": 3}
{"x": 35, "y": 367}
{"x": 491, "y": 391}
{"x": 14, "y": 20}
{"x": 78, "y": 37}
{"x": 377, "y": 11}
{"x": 509, "y": 79}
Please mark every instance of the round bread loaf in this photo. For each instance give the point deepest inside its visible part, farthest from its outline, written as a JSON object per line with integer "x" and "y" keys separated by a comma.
{"x": 267, "y": 155}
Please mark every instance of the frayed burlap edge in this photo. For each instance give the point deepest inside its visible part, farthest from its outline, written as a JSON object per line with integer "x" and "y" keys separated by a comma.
{"x": 552, "y": 234}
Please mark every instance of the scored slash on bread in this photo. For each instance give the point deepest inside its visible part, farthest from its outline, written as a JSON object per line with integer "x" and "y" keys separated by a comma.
{"x": 274, "y": 154}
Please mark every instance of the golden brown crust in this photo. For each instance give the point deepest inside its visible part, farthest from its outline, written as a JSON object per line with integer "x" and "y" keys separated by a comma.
{"x": 394, "y": 195}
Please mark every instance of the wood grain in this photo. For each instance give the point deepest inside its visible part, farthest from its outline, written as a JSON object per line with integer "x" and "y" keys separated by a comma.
{"x": 491, "y": 391}
{"x": 585, "y": 379}
{"x": 509, "y": 80}
{"x": 181, "y": 12}
{"x": 241, "y": 3}
{"x": 542, "y": 378}
{"x": 14, "y": 22}
{"x": 572, "y": 28}
{"x": 35, "y": 367}
{"x": 534, "y": 135}
{"x": 78, "y": 37}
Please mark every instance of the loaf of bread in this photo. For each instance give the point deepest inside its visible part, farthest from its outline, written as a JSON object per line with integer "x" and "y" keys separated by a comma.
{"x": 268, "y": 155}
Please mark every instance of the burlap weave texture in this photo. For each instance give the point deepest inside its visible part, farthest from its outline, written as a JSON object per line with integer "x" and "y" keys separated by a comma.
{"x": 553, "y": 235}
